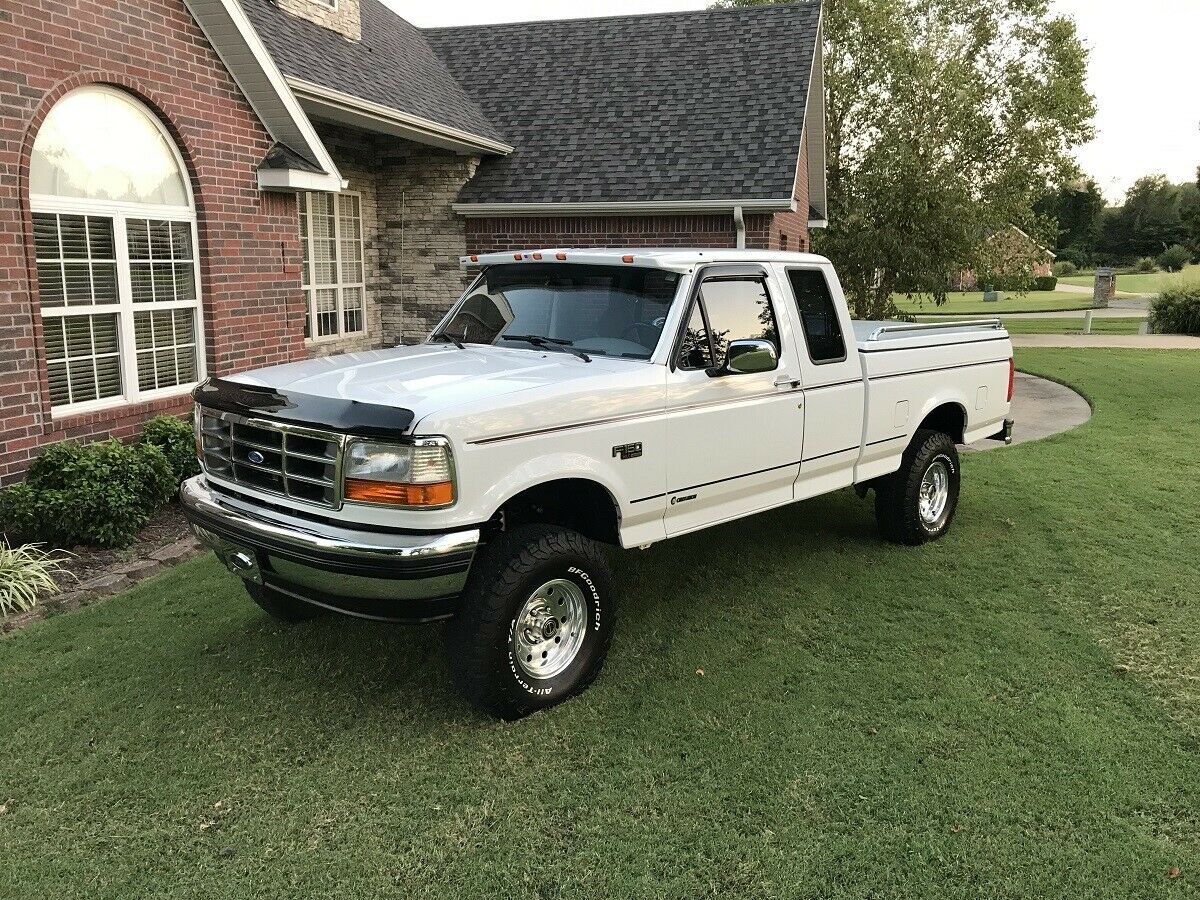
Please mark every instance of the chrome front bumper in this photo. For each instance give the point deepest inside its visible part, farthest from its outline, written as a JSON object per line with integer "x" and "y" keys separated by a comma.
{"x": 388, "y": 576}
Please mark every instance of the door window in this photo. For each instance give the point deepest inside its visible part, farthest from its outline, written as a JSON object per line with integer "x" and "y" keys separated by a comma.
{"x": 822, "y": 328}
{"x": 728, "y": 309}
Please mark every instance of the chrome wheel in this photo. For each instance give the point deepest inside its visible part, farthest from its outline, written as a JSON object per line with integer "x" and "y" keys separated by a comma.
{"x": 549, "y": 629}
{"x": 935, "y": 493}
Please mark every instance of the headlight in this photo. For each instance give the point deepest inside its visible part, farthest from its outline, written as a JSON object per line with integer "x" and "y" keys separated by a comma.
{"x": 419, "y": 475}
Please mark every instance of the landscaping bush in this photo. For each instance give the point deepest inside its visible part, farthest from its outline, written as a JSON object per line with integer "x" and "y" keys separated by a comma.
{"x": 1065, "y": 269}
{"x": 1174, "y": 258}
{"x": 1045, "y": 283}
{"x": 1177, "y": 310}
{"x": 176, "y": 439}
{"x": 1146, "y": 265}
{"x": 99, "y": 494}
{"x": 25, "y": 574}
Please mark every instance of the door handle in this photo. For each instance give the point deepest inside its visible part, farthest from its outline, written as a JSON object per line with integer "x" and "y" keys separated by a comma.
{"x": 787, "y": 381}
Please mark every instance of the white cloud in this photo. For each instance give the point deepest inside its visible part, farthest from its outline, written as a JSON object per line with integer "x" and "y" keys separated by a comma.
{"x": 1144, "y": 77}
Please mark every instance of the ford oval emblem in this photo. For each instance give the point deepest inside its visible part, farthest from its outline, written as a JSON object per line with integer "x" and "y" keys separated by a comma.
{"x": 255, "y": 457}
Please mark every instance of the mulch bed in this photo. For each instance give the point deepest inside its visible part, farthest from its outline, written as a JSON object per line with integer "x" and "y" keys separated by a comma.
{"x": 91, "y": 574}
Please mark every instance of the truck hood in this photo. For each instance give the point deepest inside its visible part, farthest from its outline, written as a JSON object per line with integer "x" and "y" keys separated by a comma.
{"x": 427, "y": 378}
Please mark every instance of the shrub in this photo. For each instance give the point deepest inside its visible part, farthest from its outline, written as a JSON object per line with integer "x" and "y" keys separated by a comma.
{"x": 1045, "y": 283}
{"x": 1146, "y": 265}
{"x": 100, "y": 494}
{"x": 1177, "y": 310}
{"x": 1065, "y": 269}
{"x": 1174, "y": 258}
{"x": 176, "y": 440}
{"x": 25, "y": 574}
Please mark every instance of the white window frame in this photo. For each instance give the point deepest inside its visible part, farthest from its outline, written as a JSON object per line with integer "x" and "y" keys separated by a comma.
{"x": 339, "y": 287}
{"x": 125, "y": 308}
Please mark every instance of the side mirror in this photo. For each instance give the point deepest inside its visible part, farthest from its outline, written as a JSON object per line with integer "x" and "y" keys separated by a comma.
{"x": 747, "y": 357}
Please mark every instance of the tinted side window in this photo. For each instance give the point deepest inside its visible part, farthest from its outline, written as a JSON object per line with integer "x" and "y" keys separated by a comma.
{"x": 694, "y": 352}
{"x": 822, "y": 329}
{"x": 738, "y": 310}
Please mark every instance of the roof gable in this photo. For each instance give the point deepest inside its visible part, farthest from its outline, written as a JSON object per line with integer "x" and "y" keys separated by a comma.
{"x": 392, "y": 66}
{"x": 670, "y": 108}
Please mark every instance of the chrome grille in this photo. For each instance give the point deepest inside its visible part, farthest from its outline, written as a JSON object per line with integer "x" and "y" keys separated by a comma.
{"x": 294, "y": 462}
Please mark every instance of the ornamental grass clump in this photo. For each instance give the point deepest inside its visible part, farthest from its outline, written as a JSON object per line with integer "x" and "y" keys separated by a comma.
{"x": 26, "y": 573}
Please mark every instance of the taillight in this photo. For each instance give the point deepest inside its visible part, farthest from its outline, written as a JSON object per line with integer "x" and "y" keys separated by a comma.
{"x": 1012, "y": 378}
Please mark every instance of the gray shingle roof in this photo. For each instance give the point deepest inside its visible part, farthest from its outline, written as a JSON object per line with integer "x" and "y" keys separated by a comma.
{"x": 679, "y": 106}
{"x": 392, "y": 65}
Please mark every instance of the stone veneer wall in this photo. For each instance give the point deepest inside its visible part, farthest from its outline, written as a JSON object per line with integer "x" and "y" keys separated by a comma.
{"x": 421, "y": 238}
{"x": 412, "y": 237}
{"x": 342, "y": 16}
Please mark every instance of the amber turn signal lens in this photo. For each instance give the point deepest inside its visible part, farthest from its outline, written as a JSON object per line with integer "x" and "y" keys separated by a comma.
{"x": 362, "y": 491}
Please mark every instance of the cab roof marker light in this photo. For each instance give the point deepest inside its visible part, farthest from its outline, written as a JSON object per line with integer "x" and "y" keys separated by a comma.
{"x": 537, "y": 256}
{"x": 626, "y": 259}
{"x": 518, "y": 257}
{"x": 560, "y": 256}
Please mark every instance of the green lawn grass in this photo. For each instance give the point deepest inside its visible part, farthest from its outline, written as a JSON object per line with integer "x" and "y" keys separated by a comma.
{"x": 1012, "y": 711}
{"x": 1072, "y": 326}
{"x": 972, "y": 303}
{"x": 1147, "y": 284}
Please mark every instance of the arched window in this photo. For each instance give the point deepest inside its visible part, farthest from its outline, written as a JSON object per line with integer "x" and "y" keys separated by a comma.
{"x": 115, "y": 238}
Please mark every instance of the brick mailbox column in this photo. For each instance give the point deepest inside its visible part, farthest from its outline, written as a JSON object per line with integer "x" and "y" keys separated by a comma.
{"x": 1105, "y": 290}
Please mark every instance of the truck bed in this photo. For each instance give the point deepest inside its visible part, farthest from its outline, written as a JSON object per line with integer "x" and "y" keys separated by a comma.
{"x": 911, "y": 368}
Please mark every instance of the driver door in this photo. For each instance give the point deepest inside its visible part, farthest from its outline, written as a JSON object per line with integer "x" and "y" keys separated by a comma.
{"x": 735, "y": 440}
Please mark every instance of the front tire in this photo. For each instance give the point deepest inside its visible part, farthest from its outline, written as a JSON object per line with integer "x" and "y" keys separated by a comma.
{"x": 535, "y": 621}
{"x": 917, "y": 503}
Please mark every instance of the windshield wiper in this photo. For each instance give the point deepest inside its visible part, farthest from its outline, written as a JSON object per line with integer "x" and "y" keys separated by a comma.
{"x": 447, "y": 336}
{"x": 539, "y": 341}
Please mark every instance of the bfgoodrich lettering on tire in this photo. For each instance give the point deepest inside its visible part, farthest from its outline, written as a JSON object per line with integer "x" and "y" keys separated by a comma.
{"x": 535, "y": 621}
{"x": 917, "y": 503}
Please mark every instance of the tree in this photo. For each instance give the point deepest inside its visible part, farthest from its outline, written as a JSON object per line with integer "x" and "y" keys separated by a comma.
{"x": 1077, "y": 209}
{"x": 1147, "y": 224}
{"x": 1189, "y": 213}
{"x": 946, "y": 119}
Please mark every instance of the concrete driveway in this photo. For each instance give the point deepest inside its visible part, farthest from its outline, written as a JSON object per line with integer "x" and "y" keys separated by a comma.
{"x": 1041, "y": 408}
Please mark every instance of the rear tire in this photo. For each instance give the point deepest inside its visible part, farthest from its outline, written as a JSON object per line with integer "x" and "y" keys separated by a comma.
{"x": 917, "y": 503}
{"x": 535, "y": 621}
{"x": 281, "y": 606}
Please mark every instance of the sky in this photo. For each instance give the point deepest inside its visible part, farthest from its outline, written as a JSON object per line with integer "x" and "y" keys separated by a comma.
{"x": 1142, "y": 72}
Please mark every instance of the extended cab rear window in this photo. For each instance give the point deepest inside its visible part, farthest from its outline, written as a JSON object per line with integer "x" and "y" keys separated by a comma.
{"x": 822, "y": 328}
{"x": 608, "y": 310}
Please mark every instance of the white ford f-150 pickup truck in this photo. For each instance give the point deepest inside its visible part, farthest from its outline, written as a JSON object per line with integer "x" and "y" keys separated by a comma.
{"x": 569, "y": 399}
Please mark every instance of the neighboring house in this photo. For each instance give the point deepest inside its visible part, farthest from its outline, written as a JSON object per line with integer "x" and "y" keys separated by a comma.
{"x": 195, "y": 187}
{"x": 1018, "y": 260}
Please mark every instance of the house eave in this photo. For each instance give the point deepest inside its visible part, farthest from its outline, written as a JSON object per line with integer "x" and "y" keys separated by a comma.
{"x": 292, "y": 180}
{"x": 619, "y": 208}
{"x": 327, "y": 103}
{"x": 244, "y": 55}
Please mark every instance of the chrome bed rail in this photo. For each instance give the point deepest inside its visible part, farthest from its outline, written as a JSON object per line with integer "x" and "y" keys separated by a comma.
{"x": 906, "y": 327}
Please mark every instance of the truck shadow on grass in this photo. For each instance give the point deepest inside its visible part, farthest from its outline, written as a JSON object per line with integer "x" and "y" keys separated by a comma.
{"x": 754, "y": 570}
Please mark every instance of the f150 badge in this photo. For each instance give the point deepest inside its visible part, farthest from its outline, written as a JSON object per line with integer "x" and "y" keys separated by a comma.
{"x": 627, "y": 451}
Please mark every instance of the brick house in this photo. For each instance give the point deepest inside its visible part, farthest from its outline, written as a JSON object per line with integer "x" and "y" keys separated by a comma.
{"x": 1017, "y": 261}
{"x": 195, "y": 187}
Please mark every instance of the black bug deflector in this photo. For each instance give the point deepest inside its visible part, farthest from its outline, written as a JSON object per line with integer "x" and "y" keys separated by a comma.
{"x": 329, "y": 413}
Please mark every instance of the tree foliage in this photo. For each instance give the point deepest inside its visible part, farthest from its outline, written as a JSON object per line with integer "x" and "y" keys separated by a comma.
{"x": 1151, "y": 220}
{"x": 946, "y": 119}
{"x": 1077, "y": 209}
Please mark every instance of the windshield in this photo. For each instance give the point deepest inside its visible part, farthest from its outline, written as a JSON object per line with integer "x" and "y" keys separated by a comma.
{"x": 607, "y": 310}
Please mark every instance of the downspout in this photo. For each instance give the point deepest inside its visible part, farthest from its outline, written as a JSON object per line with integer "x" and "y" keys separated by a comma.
{"x": 739, "y": 222}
